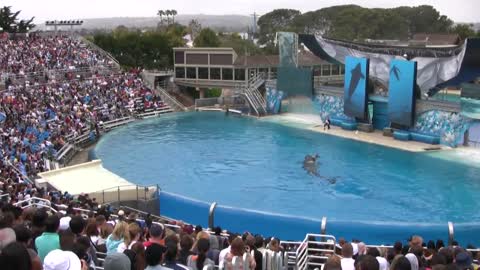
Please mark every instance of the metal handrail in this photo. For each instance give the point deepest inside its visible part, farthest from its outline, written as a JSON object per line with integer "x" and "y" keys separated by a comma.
{"x": 102, "y": 51}
{"x": 304, "y": 253}
{"x": 163, "y": 93}
{"x": 24, "y": 177}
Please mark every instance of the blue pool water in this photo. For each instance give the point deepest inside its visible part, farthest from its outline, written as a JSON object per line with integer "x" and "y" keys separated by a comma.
{"x": 255, "y": 164}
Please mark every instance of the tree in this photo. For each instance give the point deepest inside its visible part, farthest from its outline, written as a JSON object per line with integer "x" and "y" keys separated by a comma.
{"x": 133, "y": 48}
{"x": 168, "y": 13}
{"x": 241, "y": 46}
{"x": 173, "y": 13}
{"x": 352, "y": 22}
{"x": 160, "y": 13}
{"x": 463, "y": 30}
{"x": 194, "y": 28}
{"x": 10, "y": 23}
{"x": 272, "y": 22}
{"x": 207, "y": 38}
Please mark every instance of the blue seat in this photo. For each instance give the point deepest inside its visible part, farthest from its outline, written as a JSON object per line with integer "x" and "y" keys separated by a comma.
{"x": 334, "y": 121}
{"x": 349, "y": 125}
{"x": 425, "y": 138}
{"x": 401, "y": 135}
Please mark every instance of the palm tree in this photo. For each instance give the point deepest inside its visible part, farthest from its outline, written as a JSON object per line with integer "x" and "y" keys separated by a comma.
{"x": 161, "y": 13}
{"x": 174, "y": 13}
{"x": 168, "y": 13}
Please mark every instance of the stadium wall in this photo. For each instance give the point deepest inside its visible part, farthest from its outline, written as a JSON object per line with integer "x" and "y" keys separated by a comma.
{"x": 295, "y": 228}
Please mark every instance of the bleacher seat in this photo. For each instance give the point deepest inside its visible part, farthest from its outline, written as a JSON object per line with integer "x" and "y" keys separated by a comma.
{"x": 349, "y": 125}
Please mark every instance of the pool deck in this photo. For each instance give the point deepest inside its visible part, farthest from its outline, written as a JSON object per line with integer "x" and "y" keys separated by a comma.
{"x": 314, "y": 123}
{"x": 89, "y": 177}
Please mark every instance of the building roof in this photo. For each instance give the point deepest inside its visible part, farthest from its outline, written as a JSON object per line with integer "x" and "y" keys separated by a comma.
{"x": 436, "y": 39}
{"x": 304, "y": 59}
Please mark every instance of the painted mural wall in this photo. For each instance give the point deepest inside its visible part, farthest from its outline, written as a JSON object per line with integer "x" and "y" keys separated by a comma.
{"x": 274, "y": 100}
{"x": 330, "y": 107}
{"x": 449, "y": 126}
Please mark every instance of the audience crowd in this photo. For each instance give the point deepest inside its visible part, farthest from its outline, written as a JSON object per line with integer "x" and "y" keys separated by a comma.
{"x": 39, "y": 117}
{"x": 77, "y": 233}
{"x": 37, "y": 54}
{"x": 66, "y": 233}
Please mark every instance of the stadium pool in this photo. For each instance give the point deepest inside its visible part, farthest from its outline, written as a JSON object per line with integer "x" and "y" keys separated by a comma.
{"x": 255, "y": 164}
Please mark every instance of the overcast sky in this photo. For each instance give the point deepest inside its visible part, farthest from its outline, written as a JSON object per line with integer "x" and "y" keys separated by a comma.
{"x": 458, "y": 10}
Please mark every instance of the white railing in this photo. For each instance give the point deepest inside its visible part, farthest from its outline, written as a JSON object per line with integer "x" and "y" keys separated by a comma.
{"x": 306, "y": 254}
{"x": 290, "y": 256}
{"x": 24, "y": 177}
{"x": 154, "y": 113}
{"x": 109, "y": 125}
{"x": 100, "y": 50}
{"x": 253, "y": 96}
{"x": 36, "y": 202}
{"x": 173, "y": 102}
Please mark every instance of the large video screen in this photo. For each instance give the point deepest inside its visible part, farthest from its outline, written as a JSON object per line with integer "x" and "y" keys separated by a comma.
{"x": 356, "y": 78}
{"x": 295, "y": 81}
{"x": 401, "y": 100}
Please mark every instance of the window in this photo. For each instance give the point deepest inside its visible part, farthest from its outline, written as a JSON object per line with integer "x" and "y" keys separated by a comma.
{"x": 203, "y": 73}
{"x": 180, "y": 57}
{"x": 239, "y": 74}
{"x": 325, "y": 70}
{"x": 180, "y": 72}
{"x": 197, "y": 58}
{"x": 215, "y": 74}
{"x": 335, "y": 70}
{"x": 191, "y": 73}
{"x": 227, "y": 74}
{"x": 221, "y": 59}
{"x": 342, "y": 70}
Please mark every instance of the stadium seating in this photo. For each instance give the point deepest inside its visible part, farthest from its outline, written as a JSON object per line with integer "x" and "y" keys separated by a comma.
{"x": 59, "y": 92}
{"x": 44, "y": 115}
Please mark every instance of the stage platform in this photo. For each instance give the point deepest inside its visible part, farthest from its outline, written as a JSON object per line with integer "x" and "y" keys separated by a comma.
{"x": 90, "y": 177}
{"x": 313, "y": 122}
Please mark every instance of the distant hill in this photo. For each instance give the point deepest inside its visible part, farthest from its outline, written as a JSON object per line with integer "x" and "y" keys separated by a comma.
{"x": 476, "y": 26}
{"x": 224, "y": 23}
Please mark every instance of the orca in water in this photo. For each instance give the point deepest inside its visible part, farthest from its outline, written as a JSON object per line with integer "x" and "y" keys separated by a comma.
{"x": 310, "y": 164}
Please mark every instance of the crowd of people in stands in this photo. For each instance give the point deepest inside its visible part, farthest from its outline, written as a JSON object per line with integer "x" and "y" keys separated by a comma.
{"x": 416, "y": 255}
{"x": 38, "y": 116}
{"x": 64, "y": 236}
{"x": 37, "y": 119}
{"x": 34, "y": 53}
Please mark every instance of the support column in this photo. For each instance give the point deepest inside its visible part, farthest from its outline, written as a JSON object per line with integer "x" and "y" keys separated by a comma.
{"x": 202, "y": 92}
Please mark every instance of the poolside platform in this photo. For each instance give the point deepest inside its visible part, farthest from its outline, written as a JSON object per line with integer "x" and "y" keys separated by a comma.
{"x": 92, "y": 178}
{"x": 314, "y": 123}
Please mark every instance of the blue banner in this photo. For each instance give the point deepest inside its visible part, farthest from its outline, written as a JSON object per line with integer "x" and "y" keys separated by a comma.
{"x": 401, "y": 100}
{"x": 356, "y": 78}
